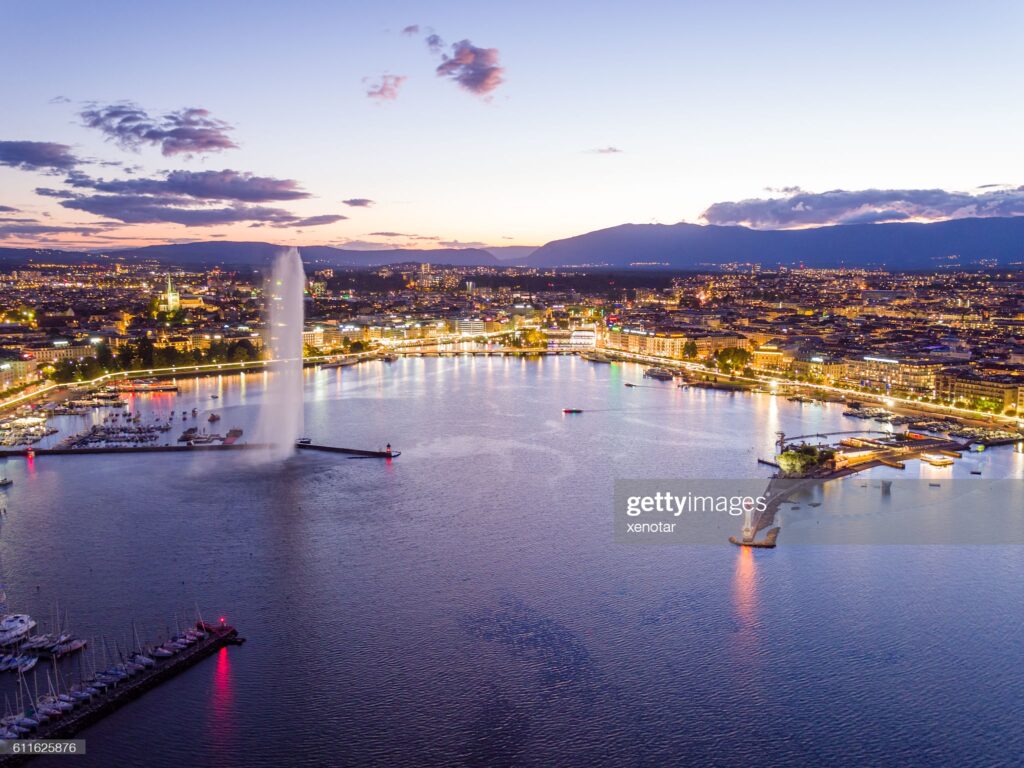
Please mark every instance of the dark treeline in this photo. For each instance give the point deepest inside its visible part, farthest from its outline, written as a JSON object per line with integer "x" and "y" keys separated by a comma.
{"x": 143, "y": 354}
{"x": 596, "y": 282}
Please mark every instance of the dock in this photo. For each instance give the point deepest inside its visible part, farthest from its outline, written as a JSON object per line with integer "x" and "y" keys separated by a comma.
{"x": 356, "y": 453}
{"x": 114, "y": 698}
{"x": 894, "y": 463}
{"x": 12, "y": 453}
{"x": 353, "y": 452}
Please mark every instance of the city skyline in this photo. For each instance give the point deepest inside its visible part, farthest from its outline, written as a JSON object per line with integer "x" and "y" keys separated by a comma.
{"x": 520, "y": 384}
{"x": 399, "y": 126}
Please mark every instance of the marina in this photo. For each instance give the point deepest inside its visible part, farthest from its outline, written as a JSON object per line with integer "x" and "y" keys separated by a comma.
{"x": 64, "y": 715}
{"x": 143, "y": 386}
{"x": 122, "y": 449}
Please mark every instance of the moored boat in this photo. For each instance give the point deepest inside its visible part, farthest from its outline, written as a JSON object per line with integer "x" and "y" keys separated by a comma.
{"x": 661, "y": 374}
{"x": 14, "y": 627}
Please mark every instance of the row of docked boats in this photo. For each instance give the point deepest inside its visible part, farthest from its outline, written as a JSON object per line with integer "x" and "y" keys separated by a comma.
{"x": 875, "y": 414}
{"x": 24, "y": 430}
{"x": 60, "y": 699}
{"x": 35, "y": 709}
{"x": 803, "y": 400}
{"x": 115, "y": 435}
{"x": 192, "y": 436}
{"x": 178, "y": 643}
{"x": 21, "y": 650}
{"x": 142, "y": 386}
{"x": 53, "y": 645}
{"x": 943, "y": 426}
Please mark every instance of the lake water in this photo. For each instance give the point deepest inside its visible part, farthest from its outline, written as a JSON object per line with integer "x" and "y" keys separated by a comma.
{"x": 467, "y": 604}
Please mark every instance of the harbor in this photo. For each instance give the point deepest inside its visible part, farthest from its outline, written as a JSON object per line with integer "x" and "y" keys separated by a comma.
{"x": 64, "y": 715}
{"x": 123, "y": 449}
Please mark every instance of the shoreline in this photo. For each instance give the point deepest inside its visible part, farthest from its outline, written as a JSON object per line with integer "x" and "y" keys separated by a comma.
{"x": 777, "y": 387}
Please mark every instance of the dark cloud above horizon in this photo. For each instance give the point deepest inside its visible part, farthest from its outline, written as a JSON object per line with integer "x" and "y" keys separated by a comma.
{"x": 188, "y": 131}
{"x": 174, "y": 209}
{"x": 204, "y": 185}
{"x": 384, "y": 88}
{"x": 412, "y": 29}
{"x": 869, "y": 206}
{"x": 45, "y": 156}
{"x": 189, "y": 198}
{"x": 35, "y": 228}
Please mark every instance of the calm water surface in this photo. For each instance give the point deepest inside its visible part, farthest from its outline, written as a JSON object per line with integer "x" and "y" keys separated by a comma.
{"x": 466, "y": 604}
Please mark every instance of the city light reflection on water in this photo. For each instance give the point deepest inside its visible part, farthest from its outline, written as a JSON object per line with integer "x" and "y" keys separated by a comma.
{"x": 470, "y": 592}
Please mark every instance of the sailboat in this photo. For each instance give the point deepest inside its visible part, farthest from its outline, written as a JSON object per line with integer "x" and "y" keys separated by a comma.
{"x": 137, "y": 655}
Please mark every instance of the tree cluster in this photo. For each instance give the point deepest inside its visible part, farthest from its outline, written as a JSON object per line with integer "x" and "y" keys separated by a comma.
{"x": 142, "y": 354}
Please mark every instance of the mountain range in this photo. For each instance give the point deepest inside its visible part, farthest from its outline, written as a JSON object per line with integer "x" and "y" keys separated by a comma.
{"x": 967, "y": 242}
{"x": 946, "y": 244}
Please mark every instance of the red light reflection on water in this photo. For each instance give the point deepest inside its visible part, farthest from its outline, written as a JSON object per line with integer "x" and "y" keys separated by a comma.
{"x": 222, "y": 689}
{"x": 222, "y": 707}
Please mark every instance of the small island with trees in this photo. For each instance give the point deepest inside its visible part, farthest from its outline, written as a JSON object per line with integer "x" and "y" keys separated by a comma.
{"x": 804, "y": 460}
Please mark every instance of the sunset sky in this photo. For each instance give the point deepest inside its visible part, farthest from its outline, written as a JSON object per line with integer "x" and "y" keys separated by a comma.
{"x": 429, "y": 124}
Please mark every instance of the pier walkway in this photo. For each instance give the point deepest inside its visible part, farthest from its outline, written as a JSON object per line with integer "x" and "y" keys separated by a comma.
{"x": 100, "y": 706}
{"x": 13, "y": 452}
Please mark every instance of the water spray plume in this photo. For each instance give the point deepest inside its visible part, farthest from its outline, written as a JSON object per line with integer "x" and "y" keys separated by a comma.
{"x": 280, "y": 421}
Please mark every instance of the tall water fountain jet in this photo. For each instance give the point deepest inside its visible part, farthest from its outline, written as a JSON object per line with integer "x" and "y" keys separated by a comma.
{"x": 280, "y": 418}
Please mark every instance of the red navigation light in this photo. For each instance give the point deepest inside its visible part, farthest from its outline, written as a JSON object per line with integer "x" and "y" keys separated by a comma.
{"x": 221, "y": 619}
